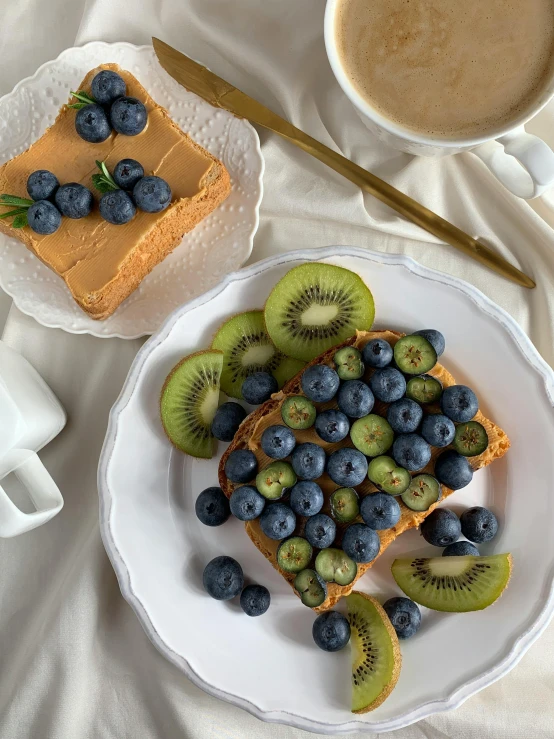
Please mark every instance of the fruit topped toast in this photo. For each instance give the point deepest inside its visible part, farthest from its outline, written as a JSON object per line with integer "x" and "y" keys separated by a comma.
{"x": 268, "y": 414}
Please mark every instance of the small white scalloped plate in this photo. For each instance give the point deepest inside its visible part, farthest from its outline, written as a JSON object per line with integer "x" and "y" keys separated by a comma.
{"x": 270, "y": 665}
{"x": 221, "y": 243}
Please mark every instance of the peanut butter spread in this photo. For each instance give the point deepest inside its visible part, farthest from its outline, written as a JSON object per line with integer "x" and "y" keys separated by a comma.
{"x": 88, "y": 253}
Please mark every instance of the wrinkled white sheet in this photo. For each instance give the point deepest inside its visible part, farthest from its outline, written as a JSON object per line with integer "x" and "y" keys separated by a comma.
{"x": 75, "y": 663}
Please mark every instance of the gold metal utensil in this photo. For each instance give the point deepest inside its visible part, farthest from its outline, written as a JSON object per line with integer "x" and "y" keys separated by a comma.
{"x": 221, "y": 94}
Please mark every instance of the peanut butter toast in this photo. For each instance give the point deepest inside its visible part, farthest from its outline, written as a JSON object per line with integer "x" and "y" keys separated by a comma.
{"x": 249, "y": 435}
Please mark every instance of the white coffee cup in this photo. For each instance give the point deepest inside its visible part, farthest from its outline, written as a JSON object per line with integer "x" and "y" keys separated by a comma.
{"x": 523, "y": 163}
{"x": 30, "y": 417}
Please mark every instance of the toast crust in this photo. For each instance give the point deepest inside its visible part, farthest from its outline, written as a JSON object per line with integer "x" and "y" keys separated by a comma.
{"x": 249, "y": 434}
{"x": 120, "y": 259}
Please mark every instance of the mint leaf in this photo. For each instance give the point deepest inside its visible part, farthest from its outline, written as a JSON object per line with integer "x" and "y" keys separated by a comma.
{"x": 78, "y": 106}
{"x": 20, "y": 221}
{"x": 16, "y": 212}
{"x": 103, "y": 182}
{"x": 15, "y": 200}
{"x": 83, "y": 97}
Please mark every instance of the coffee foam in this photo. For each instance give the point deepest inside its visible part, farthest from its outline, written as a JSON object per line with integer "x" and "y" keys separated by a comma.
{"x": 450, "y": 68}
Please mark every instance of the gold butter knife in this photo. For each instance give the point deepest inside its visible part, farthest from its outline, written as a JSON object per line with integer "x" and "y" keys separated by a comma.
{"x": 221, "y": 94}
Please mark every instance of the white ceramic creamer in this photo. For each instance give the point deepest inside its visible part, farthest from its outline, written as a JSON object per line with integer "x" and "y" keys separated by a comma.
{"x": 30, "y": 417}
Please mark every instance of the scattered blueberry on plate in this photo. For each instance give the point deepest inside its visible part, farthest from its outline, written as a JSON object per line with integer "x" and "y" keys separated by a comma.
{"x": 460, "y": 549}
{"x": 259, "y": 387}
{"x": 212, "y": 507}
{"x": 255, "y": 600}
{"x": 223, "y": 578}
{"x": 228, "y": 417}
{"x": 441, "y": 527}
{"x": 479, "y": 524}
{"x": 404, "y": 616}
{"x": 331, "y": 631}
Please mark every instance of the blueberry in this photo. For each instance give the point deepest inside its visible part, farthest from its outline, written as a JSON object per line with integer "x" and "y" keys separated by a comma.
{"x": 42, "y": 184}
{"x": 255, "y": 600}
{"x": 453, "y": 470}
{"x": 308, "y": 461}
{"x": 128, "y": 116}
{"x": 116, "y": 207}
{"x": 438, "y": 430}
{"x": 277, "y": 521}
{"x": 434, "y": 337}
{"x": 441, "y": 527}
{"x": 347, "y": 467}
{"x": 228, "y": 417}
{"x": 388, "y": 384}
{"x": 377, "y": 353}
{"x": 152, "y": 194}
{"x": 332, "y": 426}
{"x": 43, "y": 217}
{"x": 320, "y": 530}
{"x": 355, "y": 399}
{"x": 73, "y": 200}
{"x": 404, "y": 616}
{"x": 380, "y": 511}
{"x": 320, "y": 383}
{"x": 459, "y": 403}
{"x": 331, "y": 631}
{"x": 223, "y": 578}
{"x": 241, "y": 465}
{"x": 411, "y": 451}
{"x": 107, "y": 86}
{"x": 306, "y": 498}
{"x": 404, "y": 416}
{"x": 259, "y": 387}
{"x": 479, "y": 524}
{"x": 460, "y": 549}
{"x": 127, "y": 173}
{"x": 278, "y": 441}
{"x": 212, "y": 507}
{"x": 92, "y": 124}
{"x": 246, "y": 503}
{"x": 361, "y": 543}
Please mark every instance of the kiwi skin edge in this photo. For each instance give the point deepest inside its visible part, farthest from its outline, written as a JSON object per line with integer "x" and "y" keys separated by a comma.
{"x": 387, "y": 690}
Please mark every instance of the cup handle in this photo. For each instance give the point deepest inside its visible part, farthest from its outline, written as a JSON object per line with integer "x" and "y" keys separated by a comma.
{"x": 523, "y": 163}
{"x": 40, "y": 486}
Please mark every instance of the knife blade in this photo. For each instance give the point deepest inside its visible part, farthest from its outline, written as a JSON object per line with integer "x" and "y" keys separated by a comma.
{"x": 221, "y": 94}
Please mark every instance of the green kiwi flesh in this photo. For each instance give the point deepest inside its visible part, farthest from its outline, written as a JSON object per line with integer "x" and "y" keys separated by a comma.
{"x": 316, "y": 306}
{"x": 376, "y": 658}
{"x": 247, "y": 348}
{"x": 454, "y": 584}
{"x": 189, "y": 400}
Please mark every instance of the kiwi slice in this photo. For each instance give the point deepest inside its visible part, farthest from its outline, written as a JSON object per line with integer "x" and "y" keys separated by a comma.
{"x": 454, "y": 584}
{"x": 189, "y": 400}
{"x": 388, "y": 476}
{"x": 471, "y": 439}
{"x": 311, "y": 588}
{"x": 372, "y": 435}
{"x": 344, "y": 505}
{"x": 414, "y": 355}
{"x": 298, "y": 412}
{"x": 348, "y": 363}
{"x": 247, "y": 348}
{"x": 335, "y": 566}
{"x": 315, "y": 306}
{"x": 424, "y": 389}
{"x": 423, "y": 491}
{"x": 294, "y": 554}
{"x": 376, "y": 658}
{"x": 275, "y": 479}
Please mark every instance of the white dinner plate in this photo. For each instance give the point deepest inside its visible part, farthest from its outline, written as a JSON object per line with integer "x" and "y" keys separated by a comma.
{"x": 221, "y": 243}
{"x": 270, "y": 665}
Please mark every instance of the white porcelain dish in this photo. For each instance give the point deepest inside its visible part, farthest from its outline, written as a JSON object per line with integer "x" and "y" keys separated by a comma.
{"x": 269, "y": 665}
{"x": 220, "y": 244}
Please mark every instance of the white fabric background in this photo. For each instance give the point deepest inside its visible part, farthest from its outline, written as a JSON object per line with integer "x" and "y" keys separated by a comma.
{"x": 75, "y": 663}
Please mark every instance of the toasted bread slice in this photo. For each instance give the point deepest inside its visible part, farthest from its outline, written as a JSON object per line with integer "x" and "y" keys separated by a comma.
{"x": 102, "y": 263}
{"x": 249, "y": 435}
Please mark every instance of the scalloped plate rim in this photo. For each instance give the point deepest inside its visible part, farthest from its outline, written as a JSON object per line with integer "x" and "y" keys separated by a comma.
{"x": 461, "y": 693}
{"x": 139, "y": 48}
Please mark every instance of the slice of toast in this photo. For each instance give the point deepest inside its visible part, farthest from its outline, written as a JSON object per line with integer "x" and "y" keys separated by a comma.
{"x": 102, "y": 263}
{"x": 249, "y": 435}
